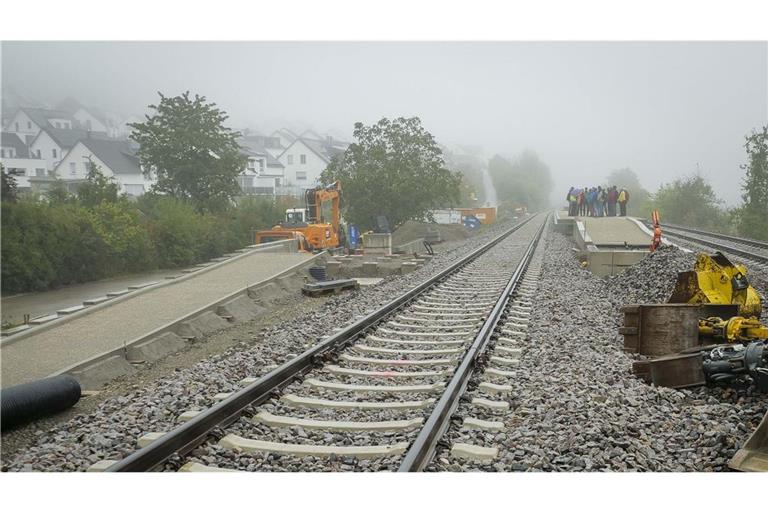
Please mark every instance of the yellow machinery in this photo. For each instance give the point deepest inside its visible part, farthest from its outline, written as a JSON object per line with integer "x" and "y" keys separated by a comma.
{"x": 715, "y": 280}
{"x": 265, "y": 236}
{"x": 736, "y": 329}
{"x": 319, "y": 224}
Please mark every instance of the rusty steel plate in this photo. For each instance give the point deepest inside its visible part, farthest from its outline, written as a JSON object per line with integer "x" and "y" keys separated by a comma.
{"x": 678, "y": 371}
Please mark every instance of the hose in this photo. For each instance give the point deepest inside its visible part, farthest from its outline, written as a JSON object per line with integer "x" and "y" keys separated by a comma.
{"x": 26, "y": 402}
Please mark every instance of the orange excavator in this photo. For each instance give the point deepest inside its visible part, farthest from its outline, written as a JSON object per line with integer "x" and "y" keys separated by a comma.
{"x": 316, "y": 227}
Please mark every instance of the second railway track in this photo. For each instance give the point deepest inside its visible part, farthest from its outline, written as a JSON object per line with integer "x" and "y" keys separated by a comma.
{"x": 748, "y": 249}
{"x": 365, "y": 396}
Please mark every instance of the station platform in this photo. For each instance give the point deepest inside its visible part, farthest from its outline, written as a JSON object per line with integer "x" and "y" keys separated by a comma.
{"x": 608, "y": 244}
{"x": 109, "y": 327}
{"x": 617, "y": 232}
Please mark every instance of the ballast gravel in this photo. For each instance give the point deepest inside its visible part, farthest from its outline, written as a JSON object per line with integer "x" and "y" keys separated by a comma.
{"x": 576, "y": 405}
{"x": 111, "y": 430}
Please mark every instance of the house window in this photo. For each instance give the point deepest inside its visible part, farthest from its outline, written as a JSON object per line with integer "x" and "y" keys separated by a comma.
{"x": 303, "y": 159}
{"x": 277, "y": 182}
{"x": 58, "y": 124}
{"x": 2, "y": 153}
{"x": 17, "y": 126}
{"x": 40, "y": 172}
{"x": 301, "y": 175}
{"x": 290, "y": 159}
{"x": 53, "y": 151}
{"x": 38, "y": 154}
{"x": 29, "y": 125}
{"x": 72, "y": 168}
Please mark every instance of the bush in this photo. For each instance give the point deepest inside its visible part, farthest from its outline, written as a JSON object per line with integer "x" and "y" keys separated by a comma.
{"x": 49, "y": 244}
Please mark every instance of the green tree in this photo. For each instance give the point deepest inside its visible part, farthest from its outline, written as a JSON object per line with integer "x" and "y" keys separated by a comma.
{"x": 394, "y": 168}
{"x": 522, "y": 181}
{"x": 754, "y": 213}
{"x": 9, "y": 188}
{"x": 97, "y": 187}
{"x": 58, "y": 193}
{"x": 639, "y": 204}
{"x": 126, "y": 241}
{"x": 195, "y": 157}
{"x": 690, "y": 201}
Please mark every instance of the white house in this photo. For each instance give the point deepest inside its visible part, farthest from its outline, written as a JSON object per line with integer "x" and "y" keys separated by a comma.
{"x": 27, "y": 122}
{"x": 88, "y": 121}
{"x": 52, "y": 144}
{"x": 263, "y": 174}
{"x": 14, "y": 155}
{"x": 116, "y": 158}
{"x": 286, "y": 136}
{"x": 305, "y": 159}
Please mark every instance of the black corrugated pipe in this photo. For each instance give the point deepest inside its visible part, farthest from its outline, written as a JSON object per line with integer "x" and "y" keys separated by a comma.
{"x": 26, "y": 402}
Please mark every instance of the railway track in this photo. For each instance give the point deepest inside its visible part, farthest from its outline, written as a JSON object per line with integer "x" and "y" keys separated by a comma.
{"x": 747, "y": 248}
{"x": 760, "y": 244}
{"x": 378, "y": 394}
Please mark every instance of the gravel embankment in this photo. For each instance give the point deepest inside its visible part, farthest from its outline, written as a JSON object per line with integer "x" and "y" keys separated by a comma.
{"x": 501, "y": 261}
{"x": 110, "y": 430}
{"x": 576, "y": 405}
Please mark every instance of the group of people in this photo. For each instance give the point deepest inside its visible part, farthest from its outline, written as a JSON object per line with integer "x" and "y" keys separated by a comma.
{"x": 597, "y": 201}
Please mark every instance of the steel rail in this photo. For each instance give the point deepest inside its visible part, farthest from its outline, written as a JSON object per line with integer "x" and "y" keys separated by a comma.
{"x": 423, "y": 448}
{"x": 192, "y": 433}
{"x": 715, "y": 245}
{"x": 744, "y": 241}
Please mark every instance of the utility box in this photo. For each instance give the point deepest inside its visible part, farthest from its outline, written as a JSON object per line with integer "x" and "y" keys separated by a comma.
{"x": 662, "y": 329}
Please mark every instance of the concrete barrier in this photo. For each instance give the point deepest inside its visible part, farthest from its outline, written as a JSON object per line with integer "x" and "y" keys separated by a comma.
{"x": 377, "y": 243}
{"x": 240, "y": 309}
{"x": 414, "y": 246}
{"x": 155, "y": 348}
{"x": 611, "y": 263}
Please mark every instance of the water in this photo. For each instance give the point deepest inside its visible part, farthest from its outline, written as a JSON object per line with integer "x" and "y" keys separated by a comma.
{"x": 489, "y": 190}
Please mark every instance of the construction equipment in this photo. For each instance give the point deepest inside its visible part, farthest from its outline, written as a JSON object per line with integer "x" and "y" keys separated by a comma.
{"x": 265, "y": 236}
{"x": 727, "y": 364}
{"x": 319, "y": 223}
{"x": 736, "y": 329}
{"x": 715, "y": 280}
{"x": 656, "y": 240}
{"x": 753, "y": 455}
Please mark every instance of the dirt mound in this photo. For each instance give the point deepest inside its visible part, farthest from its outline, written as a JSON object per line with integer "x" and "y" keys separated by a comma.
{"x": 411, "y": 230}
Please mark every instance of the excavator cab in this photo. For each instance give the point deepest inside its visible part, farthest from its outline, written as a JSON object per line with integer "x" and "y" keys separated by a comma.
{"x": 296, "y": 216}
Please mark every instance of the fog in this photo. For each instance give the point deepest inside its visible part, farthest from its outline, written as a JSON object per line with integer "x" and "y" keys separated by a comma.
{"x": 662, "y": 109}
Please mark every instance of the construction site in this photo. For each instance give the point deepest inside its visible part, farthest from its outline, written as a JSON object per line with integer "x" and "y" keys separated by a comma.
{"x": 441, "y": 335}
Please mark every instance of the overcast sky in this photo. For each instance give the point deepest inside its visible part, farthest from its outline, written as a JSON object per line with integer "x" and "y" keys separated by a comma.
{"x": 662, "y": 109}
